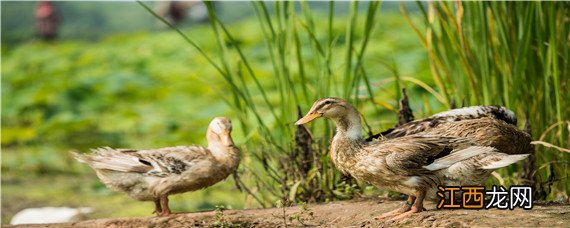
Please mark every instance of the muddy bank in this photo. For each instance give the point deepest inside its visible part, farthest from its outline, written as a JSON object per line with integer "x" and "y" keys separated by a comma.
{"x": 355, "y": 213}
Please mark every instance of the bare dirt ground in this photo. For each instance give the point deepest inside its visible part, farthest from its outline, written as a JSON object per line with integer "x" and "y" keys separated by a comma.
{"x": 353, "y": 213}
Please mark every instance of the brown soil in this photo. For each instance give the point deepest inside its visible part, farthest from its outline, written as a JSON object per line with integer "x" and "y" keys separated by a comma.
{"x": 353, "y": 213}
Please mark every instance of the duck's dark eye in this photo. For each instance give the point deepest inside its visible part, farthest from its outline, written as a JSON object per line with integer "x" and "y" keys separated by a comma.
{"x": 328, "y": 102}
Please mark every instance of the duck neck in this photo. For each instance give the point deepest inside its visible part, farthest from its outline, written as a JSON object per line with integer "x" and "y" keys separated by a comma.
{"x": 348, "y": 127}
{"x": 347, "y": 141}
{"x": 226, "y": 154}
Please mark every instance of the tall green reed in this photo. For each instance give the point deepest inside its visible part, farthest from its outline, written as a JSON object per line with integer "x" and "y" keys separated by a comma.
{"x": 303, "y": 69}
{"x": 508, "y": 53}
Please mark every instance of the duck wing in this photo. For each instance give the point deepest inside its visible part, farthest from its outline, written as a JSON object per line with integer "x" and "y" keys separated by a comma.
{"x": 420, "y": 154}
{"x": 454, "y": 115}
{"x": 156, "y": 162}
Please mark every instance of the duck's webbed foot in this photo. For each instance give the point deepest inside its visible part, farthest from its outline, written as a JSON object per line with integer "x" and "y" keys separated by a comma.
{"x": 417, "y": 207}
{"x": 157, "y": 207}
{"x": 412, "y": 210}
{"x": 404, "y": 208}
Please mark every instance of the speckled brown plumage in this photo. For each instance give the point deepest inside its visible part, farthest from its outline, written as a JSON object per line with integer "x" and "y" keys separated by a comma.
{"x": 492, "y": 126}
{"x": 487, "y": 131}
{"x": 504, "y": 117}
{"x": 413, "y": 164}
{"x": 153, "y": 175}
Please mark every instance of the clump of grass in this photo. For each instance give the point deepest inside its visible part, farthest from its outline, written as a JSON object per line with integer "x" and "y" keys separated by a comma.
{"x": 302, "y": 215}
{"x": 507, "y": 53}
{"x": 283, "y": 204}
{"x": 220, "y": 220}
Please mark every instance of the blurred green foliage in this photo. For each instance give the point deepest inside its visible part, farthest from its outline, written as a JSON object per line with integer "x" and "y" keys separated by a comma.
{"x": 82, "y": 95}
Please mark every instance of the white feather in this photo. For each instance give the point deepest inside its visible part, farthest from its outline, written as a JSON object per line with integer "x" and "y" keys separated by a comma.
{"x": 458, "y": 156}
{"x": 474, "y": 111}
{"x": 507, "y": 160}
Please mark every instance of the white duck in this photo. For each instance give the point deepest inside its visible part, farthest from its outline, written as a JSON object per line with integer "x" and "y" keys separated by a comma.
{"x": 153, "y": 175}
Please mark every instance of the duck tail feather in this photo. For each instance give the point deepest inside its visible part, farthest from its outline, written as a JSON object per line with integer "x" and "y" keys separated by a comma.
{"x": 121, "y": 164}
{"x": 80, "y": 157}
{"x": 116, "y": 162}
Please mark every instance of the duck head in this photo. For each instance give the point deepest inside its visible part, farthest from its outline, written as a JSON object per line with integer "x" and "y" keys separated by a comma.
{"x": 340, "y": 111}
{"x": 219, "y": 131}
{"x": 332, "y": 108}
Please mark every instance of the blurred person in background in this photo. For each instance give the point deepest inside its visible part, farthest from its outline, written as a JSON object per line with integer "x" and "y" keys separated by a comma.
{"x": 173, "y": 11}
{"x": 47, "y": 20}
{"x": 176, "y": 12}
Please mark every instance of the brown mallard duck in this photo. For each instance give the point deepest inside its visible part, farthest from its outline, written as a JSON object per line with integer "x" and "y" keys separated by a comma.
{"x": 412, "y": 164}
{"x": 153, "y": 175}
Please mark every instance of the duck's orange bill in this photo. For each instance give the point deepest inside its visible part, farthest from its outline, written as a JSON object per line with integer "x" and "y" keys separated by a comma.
{"x": 308, "y": 118}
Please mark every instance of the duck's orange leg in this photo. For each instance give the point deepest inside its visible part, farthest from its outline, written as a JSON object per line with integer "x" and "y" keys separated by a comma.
{"x": 164, "y": 204}
{"x": 404, "y": 208}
